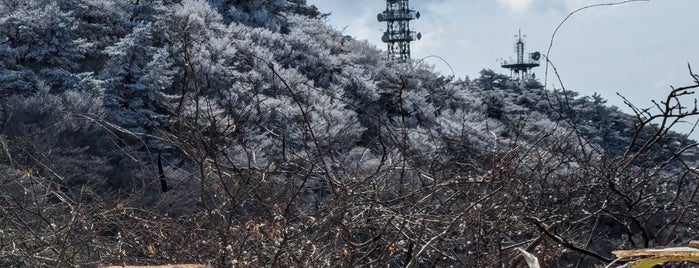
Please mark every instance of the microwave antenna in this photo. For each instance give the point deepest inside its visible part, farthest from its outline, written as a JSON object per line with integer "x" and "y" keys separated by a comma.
{"x": 398, "y": 34}
{"x": 520, "y": 68}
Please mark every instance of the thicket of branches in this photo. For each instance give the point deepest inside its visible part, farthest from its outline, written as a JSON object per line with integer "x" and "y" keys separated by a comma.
{"x": 281, "y": 142}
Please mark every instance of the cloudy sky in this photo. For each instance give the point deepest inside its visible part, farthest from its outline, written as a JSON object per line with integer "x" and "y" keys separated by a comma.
{"x": 638, "y": 49}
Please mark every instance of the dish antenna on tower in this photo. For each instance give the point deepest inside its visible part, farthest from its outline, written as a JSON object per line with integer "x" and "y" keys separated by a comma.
{"x": 398, "y": 34}
{"x": 521, "y": 67}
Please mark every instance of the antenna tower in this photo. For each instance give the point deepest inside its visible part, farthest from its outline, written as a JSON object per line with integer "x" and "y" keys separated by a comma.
{"x": 398, "y": 35}
{"x": 521, "y": 67}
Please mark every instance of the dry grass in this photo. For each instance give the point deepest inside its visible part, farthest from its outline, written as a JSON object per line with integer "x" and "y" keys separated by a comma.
{"x": 161, "y": 266}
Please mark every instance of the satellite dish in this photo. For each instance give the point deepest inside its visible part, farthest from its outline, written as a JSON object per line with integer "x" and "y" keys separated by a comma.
{"x": 535, "y": 56}
{"x": 419, "y": 36}
{"x": 417, "y": 15}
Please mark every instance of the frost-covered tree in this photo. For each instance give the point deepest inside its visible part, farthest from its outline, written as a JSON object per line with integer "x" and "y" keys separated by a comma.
{"x": 130, "y": 97}
{"x": 40, "y": 43}
{"x": 283, "y": 142}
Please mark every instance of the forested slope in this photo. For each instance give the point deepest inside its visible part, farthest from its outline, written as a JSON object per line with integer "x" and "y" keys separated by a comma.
{"x": 249, "y": 133}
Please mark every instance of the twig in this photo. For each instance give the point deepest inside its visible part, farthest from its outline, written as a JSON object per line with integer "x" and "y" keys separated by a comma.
{"x": 553, "y": 36}
{"x": 539, "y": 225}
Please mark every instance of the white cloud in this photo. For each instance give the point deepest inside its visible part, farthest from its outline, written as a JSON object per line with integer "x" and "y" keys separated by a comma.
{"x": 517, "y": 6}
{"x": 560, "y": 6}
{"x": 575, "y": 4}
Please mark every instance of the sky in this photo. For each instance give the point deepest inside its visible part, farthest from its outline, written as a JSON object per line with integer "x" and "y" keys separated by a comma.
{"x": 637, "y": 49}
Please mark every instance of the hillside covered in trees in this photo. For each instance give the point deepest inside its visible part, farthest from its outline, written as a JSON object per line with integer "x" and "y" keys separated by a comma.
{"x": 251, "y": 134}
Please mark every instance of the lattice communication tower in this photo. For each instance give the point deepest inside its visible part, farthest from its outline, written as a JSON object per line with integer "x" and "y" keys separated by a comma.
{"x": 398, "y": 35}
{"x": 520, "y": 68}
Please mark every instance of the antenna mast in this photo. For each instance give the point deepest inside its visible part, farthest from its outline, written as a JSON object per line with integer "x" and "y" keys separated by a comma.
{"x": 521, "y": 67}
{"x": 398, "y": 35}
